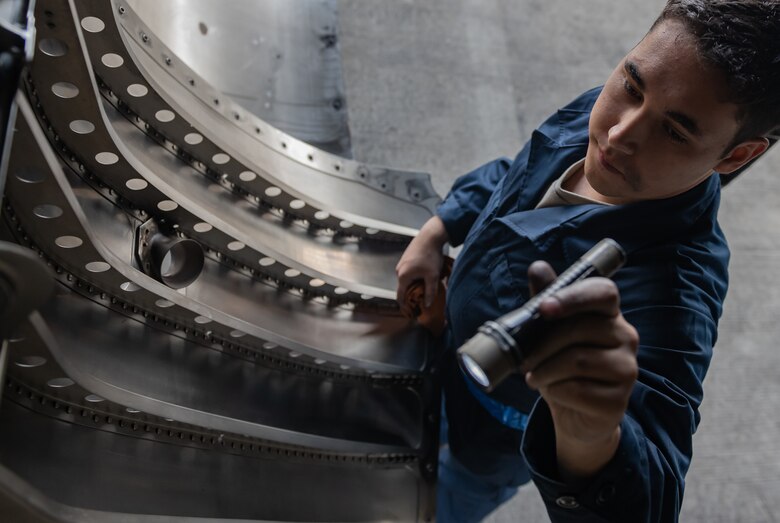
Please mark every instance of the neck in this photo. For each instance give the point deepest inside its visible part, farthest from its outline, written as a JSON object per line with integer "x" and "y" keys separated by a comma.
{"x": 578, "y": 184}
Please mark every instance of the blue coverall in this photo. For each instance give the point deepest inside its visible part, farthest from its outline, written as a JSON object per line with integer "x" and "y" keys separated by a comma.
{"x": 672, "y": 290}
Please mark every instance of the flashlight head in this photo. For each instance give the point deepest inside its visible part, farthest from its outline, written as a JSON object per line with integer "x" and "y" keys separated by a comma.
{"x": 486, "y": 361}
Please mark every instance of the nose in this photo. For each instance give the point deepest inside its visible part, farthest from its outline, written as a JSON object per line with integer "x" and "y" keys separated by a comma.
{"x": 627, "y": 133}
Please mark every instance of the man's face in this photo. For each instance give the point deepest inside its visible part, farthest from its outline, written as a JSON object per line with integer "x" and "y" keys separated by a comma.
{"x": 660, "y": 126}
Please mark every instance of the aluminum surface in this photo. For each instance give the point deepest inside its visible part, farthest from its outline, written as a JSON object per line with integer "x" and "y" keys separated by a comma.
{"x": 282, "y": 384}
{"x": 223, "y": 211}
{"x": 221, "y": 301}
{"x": 369, "y": 198}
{"x": 278, "y": 59}
{"x": 134, "y": 475}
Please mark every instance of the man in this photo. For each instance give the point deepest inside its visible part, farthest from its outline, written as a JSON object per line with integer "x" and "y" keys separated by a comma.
{"x": 603, "y": 416}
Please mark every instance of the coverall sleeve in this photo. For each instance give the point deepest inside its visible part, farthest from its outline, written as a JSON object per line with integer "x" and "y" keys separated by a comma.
{"x": 644, "y": 481}
{"x": 469, "y": 195}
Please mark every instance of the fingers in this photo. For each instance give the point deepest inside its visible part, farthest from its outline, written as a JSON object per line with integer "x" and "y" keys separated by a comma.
{"x": 592, "y": 295}
{"x": 400, "y": 292}
{"x": 592, "y": 330}
{"x": 431, "y": 290}
{"x": 606, "y": 402}
{"x": 590, "y": 364}
{"x": 594, "y": 382}
{"x": 540, "y": 275}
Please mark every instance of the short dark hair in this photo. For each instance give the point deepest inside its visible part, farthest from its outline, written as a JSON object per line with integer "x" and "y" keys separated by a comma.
{"x": 741, "y": 39}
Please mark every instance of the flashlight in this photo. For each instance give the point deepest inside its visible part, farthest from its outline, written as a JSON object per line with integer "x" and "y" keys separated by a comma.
{"x": 500, "y": 346}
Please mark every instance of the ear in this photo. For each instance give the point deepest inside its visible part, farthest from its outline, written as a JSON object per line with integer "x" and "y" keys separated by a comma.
{"x": 742, "y": 154}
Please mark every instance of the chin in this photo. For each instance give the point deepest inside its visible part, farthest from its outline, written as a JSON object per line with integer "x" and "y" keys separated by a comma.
{"x": 598, "y": 180}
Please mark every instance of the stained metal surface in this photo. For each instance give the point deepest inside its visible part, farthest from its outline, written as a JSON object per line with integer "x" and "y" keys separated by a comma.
{"x": 282, "y": 384}
{"x": 278, "y": 59}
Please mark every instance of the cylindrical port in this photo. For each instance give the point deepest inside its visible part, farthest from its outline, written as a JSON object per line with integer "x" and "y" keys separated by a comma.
{"x": 176, "y": 262}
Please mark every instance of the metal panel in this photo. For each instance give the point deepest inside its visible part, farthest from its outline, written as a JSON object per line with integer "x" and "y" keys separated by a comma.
{"x": 278, "y": 59}
{"x": 282, "y": 383}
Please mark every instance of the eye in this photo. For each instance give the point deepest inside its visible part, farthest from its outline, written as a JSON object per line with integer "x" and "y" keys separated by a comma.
{"x": 630, "y": 90}
{"x": 674, "y": 135}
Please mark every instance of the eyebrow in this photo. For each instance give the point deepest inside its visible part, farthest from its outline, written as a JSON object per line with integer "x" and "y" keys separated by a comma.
{"x": 683, "y": 119}
{"x": 632, "y": 70}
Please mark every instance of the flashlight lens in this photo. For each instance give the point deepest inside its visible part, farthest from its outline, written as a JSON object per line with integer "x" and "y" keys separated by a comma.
{"x": 474, "y": 370}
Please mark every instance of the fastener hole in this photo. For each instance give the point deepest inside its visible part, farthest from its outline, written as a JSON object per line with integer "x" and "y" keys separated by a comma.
{"x": 136, "y": 184}
{"x": 53, "y": 47}
{"x": 30, "y": 175}
{"x": 97, "y": 266}
{"x": 137, "y": 90}
{"x": 164, "y": 115}
{"x": 129, "y": 286}
{"x": 106, "y": 158}
{"x": 59, "y": 383}
{"x": 193, "y": 138}
{"x": 81, "y": 126}
{"x": 47, "y": 211}
{"x": 247, "y": 176}
{"x": 92, "y": 24}
{"x": 220, "y": 158}
{"x": 112, "y": 60}
{"x": 167, "y": 205}
{"x": 68, "y": 242}
{"x": 29, "y": 362}
{"x": 65, "y": 90}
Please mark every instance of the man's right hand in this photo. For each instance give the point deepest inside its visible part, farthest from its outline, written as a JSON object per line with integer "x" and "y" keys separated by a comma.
{"x": 422, "y": 260}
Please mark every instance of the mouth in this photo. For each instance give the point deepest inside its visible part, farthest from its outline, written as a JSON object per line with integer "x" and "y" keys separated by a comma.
{"x": 608, "y": 166}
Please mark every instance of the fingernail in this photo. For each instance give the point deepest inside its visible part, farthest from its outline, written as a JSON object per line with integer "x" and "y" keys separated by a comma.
{"x": 528, "y": 377}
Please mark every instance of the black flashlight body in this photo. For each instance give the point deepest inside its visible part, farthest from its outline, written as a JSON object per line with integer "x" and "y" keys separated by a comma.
{"x": 500, "y": 346}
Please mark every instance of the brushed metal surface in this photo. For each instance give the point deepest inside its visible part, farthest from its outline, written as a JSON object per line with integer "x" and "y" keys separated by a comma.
{"x": 278, "y": 59}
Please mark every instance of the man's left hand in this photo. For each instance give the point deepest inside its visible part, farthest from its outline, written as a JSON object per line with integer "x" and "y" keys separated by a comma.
{"x": 585, "y": 368}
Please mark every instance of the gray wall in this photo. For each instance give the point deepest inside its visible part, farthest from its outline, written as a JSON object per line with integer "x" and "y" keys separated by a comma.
{"x": 445, "y": 85}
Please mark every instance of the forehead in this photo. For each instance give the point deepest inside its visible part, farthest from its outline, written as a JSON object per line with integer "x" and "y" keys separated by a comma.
{"x": 677, "y": 79}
